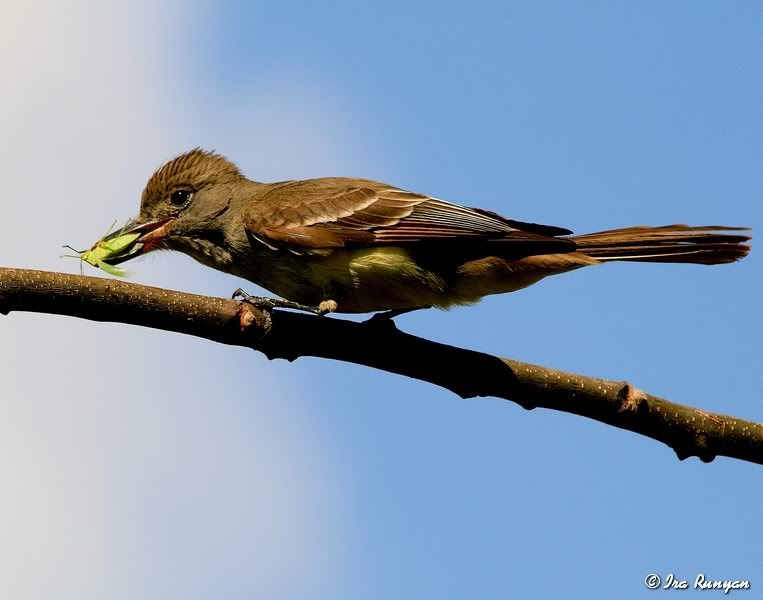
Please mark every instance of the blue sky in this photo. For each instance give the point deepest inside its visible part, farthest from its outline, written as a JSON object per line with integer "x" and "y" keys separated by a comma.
{"x": 156, "y": 465}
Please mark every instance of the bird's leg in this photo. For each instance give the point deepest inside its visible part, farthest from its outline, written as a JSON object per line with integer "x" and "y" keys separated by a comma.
{"x": 387, "y": 315}
{"x": 269, "y": 304}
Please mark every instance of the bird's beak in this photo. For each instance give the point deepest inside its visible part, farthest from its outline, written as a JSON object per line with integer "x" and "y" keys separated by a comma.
{"x": 151, "y": 235}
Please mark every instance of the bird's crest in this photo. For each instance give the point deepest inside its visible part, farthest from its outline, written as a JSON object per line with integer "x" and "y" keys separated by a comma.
{"x": 195, "y": 168}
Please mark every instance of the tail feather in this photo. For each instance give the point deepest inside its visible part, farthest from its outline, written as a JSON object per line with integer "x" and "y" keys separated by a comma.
{"x": 707, "y": 245}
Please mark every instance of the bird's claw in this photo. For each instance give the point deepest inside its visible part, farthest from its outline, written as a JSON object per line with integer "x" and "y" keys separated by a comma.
{"x": 268, "y": 304}
{"x": 388, "y": 316}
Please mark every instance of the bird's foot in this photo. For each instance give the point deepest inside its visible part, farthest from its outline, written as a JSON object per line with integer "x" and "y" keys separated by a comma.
{"x": 386, "y": 318}
{"x": 268, "y": 304}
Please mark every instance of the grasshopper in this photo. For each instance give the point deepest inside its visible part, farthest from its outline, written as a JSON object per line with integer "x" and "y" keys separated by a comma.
{"x": 111, "y": 245}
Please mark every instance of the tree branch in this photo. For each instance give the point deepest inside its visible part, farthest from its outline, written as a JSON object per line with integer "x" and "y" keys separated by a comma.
{"x": 689, "y": 431}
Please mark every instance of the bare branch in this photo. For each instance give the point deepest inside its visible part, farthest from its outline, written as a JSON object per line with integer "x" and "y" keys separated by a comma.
{"x": 689, "y": 431}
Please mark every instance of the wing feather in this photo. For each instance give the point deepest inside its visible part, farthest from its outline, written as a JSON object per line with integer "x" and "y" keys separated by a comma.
{"x": 336, "y": 212}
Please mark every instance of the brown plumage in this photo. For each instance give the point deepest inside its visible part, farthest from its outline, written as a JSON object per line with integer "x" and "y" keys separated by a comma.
{"x": 343, "y": 212}
{"x": 709, "y": 245}
{"x": 369, "y": 246}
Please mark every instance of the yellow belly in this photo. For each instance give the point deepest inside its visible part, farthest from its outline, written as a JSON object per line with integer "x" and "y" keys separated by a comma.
{"x": 363, "y": 280}
{"x": 384, "y": 278}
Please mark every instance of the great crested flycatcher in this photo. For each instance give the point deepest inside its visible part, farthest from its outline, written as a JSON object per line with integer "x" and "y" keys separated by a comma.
{"x": 356, "y": 245}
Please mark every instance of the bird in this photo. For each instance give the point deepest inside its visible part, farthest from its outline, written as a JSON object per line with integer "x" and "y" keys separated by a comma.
{"x": 349, "y": 245}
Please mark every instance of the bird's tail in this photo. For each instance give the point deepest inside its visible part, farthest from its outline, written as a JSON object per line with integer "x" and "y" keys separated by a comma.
{"x": 710, "y": 245}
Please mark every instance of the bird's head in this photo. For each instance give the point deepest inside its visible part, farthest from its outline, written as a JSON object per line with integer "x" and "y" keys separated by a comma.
{"x": 183, "y": 203}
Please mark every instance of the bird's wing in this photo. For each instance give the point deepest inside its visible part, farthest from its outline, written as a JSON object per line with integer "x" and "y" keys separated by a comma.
{"x": 341, "y": 212}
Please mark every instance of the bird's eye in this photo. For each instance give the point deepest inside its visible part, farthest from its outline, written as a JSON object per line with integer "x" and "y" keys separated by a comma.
{"x": 181, "y": 197}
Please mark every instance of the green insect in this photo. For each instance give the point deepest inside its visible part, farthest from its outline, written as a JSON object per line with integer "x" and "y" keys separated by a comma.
{"x": 111, "y": 245}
